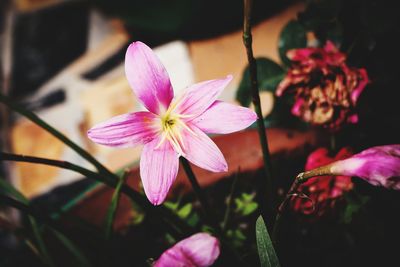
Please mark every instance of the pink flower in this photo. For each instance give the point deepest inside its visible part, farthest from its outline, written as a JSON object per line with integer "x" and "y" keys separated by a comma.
{"x": 324, "y": 192}
{"x": 199, "y": 250}
{"x": 172, "y": 127}
{"x": 326, "y": 89}
{"x": 378, "y": 165}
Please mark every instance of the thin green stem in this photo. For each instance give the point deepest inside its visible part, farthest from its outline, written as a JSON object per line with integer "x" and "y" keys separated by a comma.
{"x": 247, "y": 40}
{"x": 278, "y": 219}
{"x": 229, "y": 205}
{"x": 40, "y": 242}
{"x": 208, "y": 212}
{"x": 38, "y": 121}
{"x": 158, "y": 213}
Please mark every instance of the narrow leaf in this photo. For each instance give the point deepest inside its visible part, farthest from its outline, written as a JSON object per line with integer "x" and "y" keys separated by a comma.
{"x": 266, "y": 251}
{"x": 69, "y": 245}
{"x": 112, "y": 209}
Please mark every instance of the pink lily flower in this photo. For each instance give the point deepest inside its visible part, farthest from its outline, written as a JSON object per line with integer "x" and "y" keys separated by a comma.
{"x": 172, "y": 127}
{"x": 198, "y": 250}
{"x": 378, "y": 165}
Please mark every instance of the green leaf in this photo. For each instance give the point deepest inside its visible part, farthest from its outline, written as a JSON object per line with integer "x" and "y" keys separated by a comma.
{"x": 293, "y": 36}
{"x": 269, "y": 74}
{"x": 185, "y": 211}
{"x": 69, "y": 245}
{"x": 266, "y": 251}
{"x": 250, "y": 208}
{"x": 7, "y": 189}
{"x": 112, "y": 209}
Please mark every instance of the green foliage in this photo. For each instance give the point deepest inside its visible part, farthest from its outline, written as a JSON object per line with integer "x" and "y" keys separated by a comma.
{"x": 245, "y": 204}
{"x": 293, "y": 36}
{"x": 184, "y": 211}
{"x": 112, "y": 209}
{"x": 355, "y": 203}
{"x": 269, "y": 75}
{"x": 266, "y": 251}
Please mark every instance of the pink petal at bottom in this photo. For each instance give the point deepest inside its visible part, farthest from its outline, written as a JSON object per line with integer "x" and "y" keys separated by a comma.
{"x": 199, "y": 250}
{"x": 158, "y": 170}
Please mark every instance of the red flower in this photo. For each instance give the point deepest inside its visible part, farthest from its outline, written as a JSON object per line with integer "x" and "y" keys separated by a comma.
{"x": 324, "y": 191}
{"x": 326, "y": 90}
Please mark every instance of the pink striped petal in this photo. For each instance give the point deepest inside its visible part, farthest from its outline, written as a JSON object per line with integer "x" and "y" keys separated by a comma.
{"x": 126, "y": 130}
{"x": 223, "y": 118}
{"x": 198, "y": 97}
{"x": 199, "y": 250}
{"x": 158, "y": 170}
{"x": 202, "y": 151}
{"x": 148, "y": 77}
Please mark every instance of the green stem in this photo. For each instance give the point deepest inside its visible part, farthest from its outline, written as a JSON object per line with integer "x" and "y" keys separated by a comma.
{"x": 278, "y": 219}
{"x": 38, "y": 121}
{"x": 156, "y": 212}
{"x": 209, "y": 214}
{"x": 112, "y": 210}
{"x": 40, "y": 243}
{"x": 229, "y": 205}
{"x": 247, "y": 40}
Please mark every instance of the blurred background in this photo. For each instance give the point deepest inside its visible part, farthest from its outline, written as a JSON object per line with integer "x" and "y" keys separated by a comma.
{"x": 64, "y": 61}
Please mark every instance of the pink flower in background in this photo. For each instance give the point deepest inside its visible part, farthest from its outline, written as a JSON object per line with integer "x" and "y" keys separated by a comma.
{"x": 172, "y": 127}
{"x": 325, "y": 191}
{"x": 199, "y": 250}
{"x": 326, "y": 90}
{"x": 378, "y": 165}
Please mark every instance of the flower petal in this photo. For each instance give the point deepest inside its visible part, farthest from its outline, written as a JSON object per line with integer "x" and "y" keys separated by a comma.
{"x": 148, "y": 77}
{"x": 223, "y": 118}
{"x": 200, "y": 250}
{"x": 202, "y": 151}
{"x": 125, "y": 130}
{"x": 158, "y": 170}
{"x": 377, "y": 165}
{"x": 198, "y": 97}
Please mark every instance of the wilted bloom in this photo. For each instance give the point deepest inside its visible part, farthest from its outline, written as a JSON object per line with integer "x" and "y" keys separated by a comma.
{"x": 323, "y": 192}
{"x": 172, "y": 127}
{"x": 378, "y": 165}
{"x": 199, "y": 250}
{"x": 326, "y": 90}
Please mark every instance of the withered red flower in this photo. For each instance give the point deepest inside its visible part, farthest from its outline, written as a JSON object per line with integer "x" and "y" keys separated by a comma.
{"x": 323, "y": 192}
{"x": 326, "y": 90}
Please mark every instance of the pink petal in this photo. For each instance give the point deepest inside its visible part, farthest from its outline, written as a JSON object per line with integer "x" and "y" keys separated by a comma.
{"x": 223, "y": 118}
{"x": 362, "y": 83}
{"x": 377, "y": 165}
{"x": 202, "y": 151}
{"x": 198, "y": 97}
{"x": 148, "y": 77}
{"x": 199, "y": 250}
{"x": 158, "y": 170}
{"x": 125, "y": 130}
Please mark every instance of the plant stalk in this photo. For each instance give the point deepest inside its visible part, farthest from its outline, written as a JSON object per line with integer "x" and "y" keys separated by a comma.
{"x": 156, "y": 212}
{"x": 208, "y": 212}
{"x": 247, "y": 40}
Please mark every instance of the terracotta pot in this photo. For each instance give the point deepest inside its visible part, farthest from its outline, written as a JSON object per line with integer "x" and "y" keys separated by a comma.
{"x": 240, "y": 149}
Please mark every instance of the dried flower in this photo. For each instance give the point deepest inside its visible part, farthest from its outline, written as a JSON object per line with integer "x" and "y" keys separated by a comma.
{"x": 378, "y": 165}
{"x": 199, "y": 250}
{"x": 323, "y": 192}
{"x": 172, "y": 127}
{"x": 326, "y": 90}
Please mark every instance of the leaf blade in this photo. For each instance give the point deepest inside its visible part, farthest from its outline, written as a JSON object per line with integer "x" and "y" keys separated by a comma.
{"x": 266, "y": 251}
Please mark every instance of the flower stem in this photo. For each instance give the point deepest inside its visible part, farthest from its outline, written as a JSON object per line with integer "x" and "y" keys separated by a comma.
{"x": 199, "y": 194}
{"x": 38, "y": 121}
{"x": 247, "y": 40}
{"x": 158, "y": 213}
{"x": 282, "y": 207}
{"x": 230, "y": 202}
